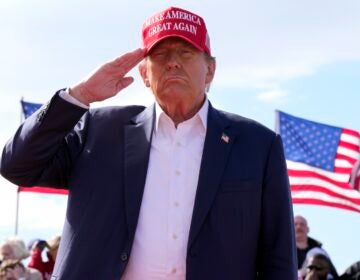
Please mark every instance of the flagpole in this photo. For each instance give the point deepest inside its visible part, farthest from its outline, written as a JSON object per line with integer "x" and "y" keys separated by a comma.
{"x": 18, "y": 193}
{"x": 17, "y": 212}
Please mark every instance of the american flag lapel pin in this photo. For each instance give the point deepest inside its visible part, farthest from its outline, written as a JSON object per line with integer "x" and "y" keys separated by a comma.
{"x": 225, "y": 138}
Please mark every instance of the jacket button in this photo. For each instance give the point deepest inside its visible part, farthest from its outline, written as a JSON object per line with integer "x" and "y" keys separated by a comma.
{"x": 124, "y": 256}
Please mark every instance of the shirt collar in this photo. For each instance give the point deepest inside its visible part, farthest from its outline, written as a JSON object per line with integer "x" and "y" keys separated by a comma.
{"x": 202, "y": 114}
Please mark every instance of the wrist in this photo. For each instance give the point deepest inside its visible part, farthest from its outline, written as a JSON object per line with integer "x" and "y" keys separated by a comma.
{"x": 77, "y": 92}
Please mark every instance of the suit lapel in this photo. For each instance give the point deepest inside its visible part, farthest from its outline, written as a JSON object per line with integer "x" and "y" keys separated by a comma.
{"x": 137, "y": 142}
{"x": 217, "y": 147}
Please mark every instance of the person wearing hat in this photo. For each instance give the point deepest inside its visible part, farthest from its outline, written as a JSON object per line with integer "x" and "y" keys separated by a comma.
{"x": 178, "y": 190}
{"x": 45, "y": 266}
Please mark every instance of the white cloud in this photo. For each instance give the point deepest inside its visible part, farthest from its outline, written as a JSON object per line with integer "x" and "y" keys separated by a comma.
{"x": 259, "y": 76}
{"x": 272, "y": 96}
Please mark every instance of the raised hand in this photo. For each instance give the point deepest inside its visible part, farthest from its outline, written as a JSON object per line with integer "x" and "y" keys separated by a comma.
{"x": 108, "y": 79}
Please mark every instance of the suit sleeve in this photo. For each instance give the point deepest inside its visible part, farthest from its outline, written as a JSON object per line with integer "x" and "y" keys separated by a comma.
{"x": 42, "y": 151}
{"x": 277, "y": 250}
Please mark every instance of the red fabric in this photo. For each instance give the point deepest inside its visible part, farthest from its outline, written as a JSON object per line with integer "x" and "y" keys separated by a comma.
{"x": 176, "y": 22}
{"x": 43, "y": 190}
{"x": 37, "y": 262}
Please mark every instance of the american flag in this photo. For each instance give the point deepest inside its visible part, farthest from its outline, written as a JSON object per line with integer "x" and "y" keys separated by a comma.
{"x": 323, "y": 162}
{"x": 28, "y": 108}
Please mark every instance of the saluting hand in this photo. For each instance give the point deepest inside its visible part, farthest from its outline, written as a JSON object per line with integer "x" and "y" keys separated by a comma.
{"x": 108, "y": 79}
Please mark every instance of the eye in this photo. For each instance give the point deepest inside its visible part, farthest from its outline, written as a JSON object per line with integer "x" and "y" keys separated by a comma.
{"x": 159, "y": 53}
{"x": 186, "y": 52}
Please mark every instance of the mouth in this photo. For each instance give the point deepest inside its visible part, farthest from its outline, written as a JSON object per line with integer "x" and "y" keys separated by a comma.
{"x": 174, "y": 79}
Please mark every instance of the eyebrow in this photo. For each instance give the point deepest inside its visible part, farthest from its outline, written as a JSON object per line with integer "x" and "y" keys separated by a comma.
{"x": 316, "y": 267}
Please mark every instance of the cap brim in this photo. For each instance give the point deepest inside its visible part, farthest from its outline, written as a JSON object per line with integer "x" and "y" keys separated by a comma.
{"x": 149, "y": 48}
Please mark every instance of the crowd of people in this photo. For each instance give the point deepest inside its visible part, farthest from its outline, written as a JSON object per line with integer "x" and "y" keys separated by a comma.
{"x": 314, "y": 263}
{"x": 40, "y": 256}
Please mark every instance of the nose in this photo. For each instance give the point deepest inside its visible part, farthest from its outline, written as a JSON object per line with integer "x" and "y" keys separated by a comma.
{"x": 172, "y": 61}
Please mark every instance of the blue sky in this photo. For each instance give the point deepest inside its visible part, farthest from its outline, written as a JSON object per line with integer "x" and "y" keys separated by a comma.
{"x": 302, "y": 57}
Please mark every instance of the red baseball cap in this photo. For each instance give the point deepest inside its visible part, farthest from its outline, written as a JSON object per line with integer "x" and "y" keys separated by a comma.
{"x": 175, "y": 22}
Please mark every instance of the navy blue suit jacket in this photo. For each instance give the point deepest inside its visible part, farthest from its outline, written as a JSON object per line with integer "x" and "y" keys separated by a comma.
{"x": 242, "y": 223}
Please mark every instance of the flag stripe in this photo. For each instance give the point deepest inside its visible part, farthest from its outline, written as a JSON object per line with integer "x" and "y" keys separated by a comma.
{"x": 350, "y": 146}
{"x": 351, "y": 132}
{"x": 343, "y": 170}
{"x": 297, "y": 166}
{"x": 308, "y": 175}
{"x": 324, "y": 197}
{"x": 323, "y": 188}
{"x": 352, "y": 161}
{"x": 342, "y": 163}
{"x": 349, "y": 139}
{"x": 43, "y": 190}
{"x": 323, "y": 203}
{"x": 348, "y": 153}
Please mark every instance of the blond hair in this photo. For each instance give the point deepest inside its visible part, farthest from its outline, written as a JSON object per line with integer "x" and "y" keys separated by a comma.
{"x": 17, "y": 246}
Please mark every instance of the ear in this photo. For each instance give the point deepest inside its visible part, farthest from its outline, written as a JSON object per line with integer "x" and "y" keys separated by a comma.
{"x": 211, "y": 67}
{"x": 143, "y": 73}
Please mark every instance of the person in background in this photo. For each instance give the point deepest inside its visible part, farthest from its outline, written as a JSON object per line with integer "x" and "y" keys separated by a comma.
{"x": 318, "y": 267}
{"x": 44, "y": 266}
{"x": 352, "y": 272}
{"x": 179, "y": 190}
{"x": 14, "y": 249}
{"x": 13, "y": 270}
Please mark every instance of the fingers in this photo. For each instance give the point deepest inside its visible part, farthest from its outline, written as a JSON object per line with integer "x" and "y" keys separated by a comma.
{"x": 128, "y": 61}
{"x": 123, "y": 83}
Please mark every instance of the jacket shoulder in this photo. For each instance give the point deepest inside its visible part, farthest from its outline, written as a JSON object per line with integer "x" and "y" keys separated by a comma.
{"x": 245, "y": 126}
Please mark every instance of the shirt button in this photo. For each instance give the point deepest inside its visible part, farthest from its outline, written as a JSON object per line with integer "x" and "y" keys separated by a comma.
{"x": 176, "y": 204}
{"x": 178, "y": 144}
{"x": 124, "y": 256}
{"x": 174, "y": 236}
{"x": 173, "y": 271}
{"x": 177, "y": 172}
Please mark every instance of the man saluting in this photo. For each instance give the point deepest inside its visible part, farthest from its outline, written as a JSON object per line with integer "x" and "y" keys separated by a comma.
{"x": 179, "y": 190}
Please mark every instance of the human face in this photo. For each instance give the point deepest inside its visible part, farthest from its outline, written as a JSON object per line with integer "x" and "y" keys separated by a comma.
{"x": 317, "y": 269}
{"x": 7, "y": 253}
{"x": 178, "y": 75}
{"x": 301, "y": 228}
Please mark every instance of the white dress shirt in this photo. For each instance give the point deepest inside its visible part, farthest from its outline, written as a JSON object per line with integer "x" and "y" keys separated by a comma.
{"x": 161, "y": 237}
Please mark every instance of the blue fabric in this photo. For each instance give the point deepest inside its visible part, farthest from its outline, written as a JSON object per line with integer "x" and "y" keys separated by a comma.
{"x": 309, "y": 142}
{"x": 29, "y": 108}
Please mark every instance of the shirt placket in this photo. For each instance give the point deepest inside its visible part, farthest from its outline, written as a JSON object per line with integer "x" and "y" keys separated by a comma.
{"x": 175, "y": 219}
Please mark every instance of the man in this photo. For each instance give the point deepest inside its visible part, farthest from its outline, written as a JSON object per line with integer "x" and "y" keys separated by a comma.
{"x": 178, "y": 190}
{"x": 304, "y": 243}
{"x": 318, "y": 268}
